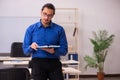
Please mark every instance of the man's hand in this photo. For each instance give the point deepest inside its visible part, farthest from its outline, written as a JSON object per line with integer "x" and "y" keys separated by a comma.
{"x": 34, "y": 45}
{"x": 49, "y": 50}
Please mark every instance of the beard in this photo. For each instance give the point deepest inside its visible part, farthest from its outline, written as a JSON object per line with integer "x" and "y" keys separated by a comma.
{"x": 46, "y": 22}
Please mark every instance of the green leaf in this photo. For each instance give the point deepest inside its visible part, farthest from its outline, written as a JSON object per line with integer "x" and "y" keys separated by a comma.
{"x": 91, "y": 62}
{"x": 101, "y": 42}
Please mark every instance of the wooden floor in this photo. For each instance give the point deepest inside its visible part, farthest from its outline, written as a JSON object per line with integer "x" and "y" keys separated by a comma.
{"x": 106, "y": 78}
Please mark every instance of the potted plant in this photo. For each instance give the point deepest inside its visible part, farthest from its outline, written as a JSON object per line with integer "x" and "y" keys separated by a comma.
{"x": 101, "y": 42}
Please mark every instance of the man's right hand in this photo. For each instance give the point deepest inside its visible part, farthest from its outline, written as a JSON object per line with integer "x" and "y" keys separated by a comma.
{"x": 34, "y": 45}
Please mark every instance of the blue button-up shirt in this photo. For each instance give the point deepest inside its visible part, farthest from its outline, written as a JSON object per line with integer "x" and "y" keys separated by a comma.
{"x": 52, "y": 35}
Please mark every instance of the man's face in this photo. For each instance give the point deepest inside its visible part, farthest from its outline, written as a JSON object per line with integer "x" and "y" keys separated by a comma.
{"x": 46, "y": 15}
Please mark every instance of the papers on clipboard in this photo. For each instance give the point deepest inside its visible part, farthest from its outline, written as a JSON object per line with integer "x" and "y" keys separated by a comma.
{"x": 50, "y": 46}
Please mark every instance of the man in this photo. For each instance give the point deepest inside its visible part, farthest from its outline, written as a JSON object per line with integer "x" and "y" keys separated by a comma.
{"x": 45, "y": 60}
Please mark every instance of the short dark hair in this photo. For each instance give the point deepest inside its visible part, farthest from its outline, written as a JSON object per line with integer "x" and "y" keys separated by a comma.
{"x": 50, "y": 6}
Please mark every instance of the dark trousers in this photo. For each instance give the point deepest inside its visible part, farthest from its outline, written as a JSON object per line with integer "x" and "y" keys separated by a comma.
{"x": 43, "y": 69}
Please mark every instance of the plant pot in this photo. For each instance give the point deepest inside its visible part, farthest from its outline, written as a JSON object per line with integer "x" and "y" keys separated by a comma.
{"x": 100, "y": 75}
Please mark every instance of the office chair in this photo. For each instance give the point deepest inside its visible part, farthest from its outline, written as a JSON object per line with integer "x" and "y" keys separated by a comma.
{"x": 14, "y": 74}
{"x": 16, "y": 50}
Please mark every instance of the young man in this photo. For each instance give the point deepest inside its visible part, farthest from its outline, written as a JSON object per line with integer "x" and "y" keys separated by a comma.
{"x": 45, "y": 61}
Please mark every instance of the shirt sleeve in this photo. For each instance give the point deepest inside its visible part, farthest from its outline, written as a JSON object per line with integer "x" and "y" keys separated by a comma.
{"x": 62, "y": 51}
{"x": 27, "y": 42}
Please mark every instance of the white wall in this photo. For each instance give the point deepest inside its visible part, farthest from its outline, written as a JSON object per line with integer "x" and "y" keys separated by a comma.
{"x": 93, "y": 15}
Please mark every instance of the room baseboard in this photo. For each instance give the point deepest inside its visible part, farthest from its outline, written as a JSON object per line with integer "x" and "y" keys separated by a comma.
{"x": 92, "y": 76}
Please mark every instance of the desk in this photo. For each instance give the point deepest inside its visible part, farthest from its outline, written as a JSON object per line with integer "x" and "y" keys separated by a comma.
{"x": 70, "y": 70}
{"x": 16, "y": 62}
{"x": 8, "y": 58}
{"x": 65, "y": 69}
{"x": 69, "y": 62}
{"x": 20, "y": 61}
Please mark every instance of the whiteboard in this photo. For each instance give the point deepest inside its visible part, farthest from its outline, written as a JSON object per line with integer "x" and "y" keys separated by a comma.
{"x": 12, "y": 28}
